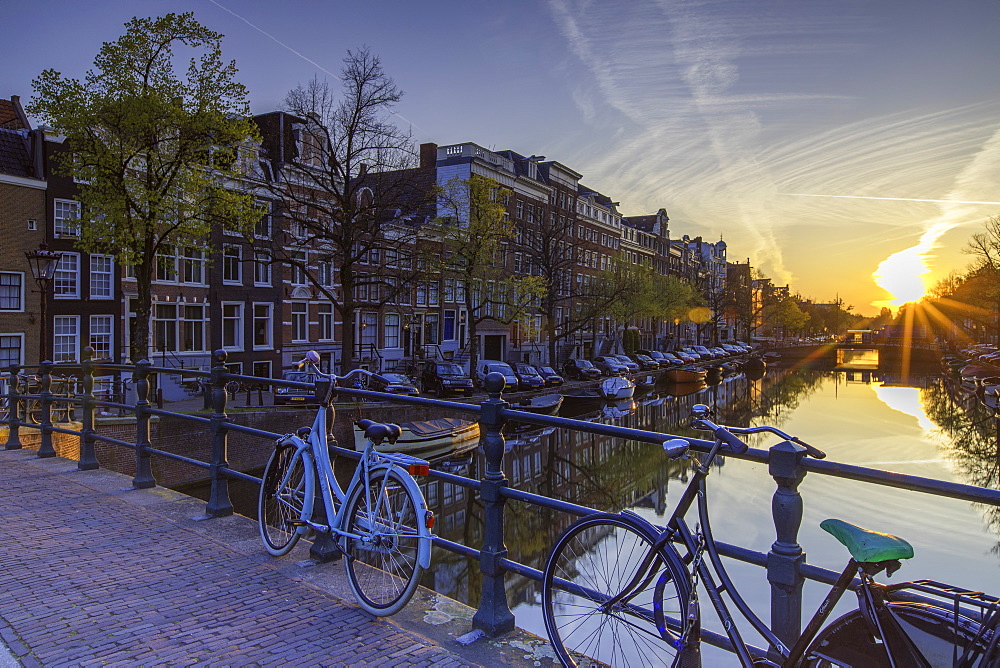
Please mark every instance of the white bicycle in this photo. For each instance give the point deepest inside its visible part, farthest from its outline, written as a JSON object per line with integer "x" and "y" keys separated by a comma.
{"x": 381, "y": 521}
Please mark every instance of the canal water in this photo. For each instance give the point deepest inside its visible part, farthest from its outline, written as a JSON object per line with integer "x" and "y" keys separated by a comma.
{"x": 921, "y": 427}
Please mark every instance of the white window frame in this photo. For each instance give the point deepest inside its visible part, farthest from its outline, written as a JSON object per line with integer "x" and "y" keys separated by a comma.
{"x": 101, "y": 322}
{"x": 64, "y": 210}
{"x": 236, "y": 322}
{"x": 262, "y": 270}
{"x": 201, "y": 327}
{"x": 70, "y": 276}
{"x": 392, "y": 331}
{"x": 95, "y": 290}
{"x": 19, "y": 308}
{"x": 71, "y": 339}
{"x": 300, "y": 322}
{"x": 268, "y": 319}
{"x": 325, "y": 317}
{"x": 227, "y": 263}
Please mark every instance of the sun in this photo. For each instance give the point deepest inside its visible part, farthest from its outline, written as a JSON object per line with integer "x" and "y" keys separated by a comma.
{"x": 902, "y": 276}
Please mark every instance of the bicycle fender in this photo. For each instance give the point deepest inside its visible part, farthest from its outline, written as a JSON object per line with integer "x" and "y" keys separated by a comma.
{"x": 426, "y": 538}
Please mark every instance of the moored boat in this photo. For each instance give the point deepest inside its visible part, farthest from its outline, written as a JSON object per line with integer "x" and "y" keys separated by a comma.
{"x": 544, "y": 404}
{"x": 685, "y": 375}
{"x": 617, "y": 387}
{"x": 428, "y": 438}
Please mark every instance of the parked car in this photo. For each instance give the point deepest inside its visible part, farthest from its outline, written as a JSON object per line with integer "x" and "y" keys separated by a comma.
{"x": 581, "y": 369}
{"x": 645, "y": 362}
{"x": 661, "y": 358}
{"x": 552, "y": 379}
{"x": 486, "y": 367}
{"x": 399, "y": 384}
{"x": 632, "y": 366}
{"x": 444, "y": 378}
{"x": 285, "y": 396}
{"x": 610, "y": 365}
{"x": 528, "y": 377}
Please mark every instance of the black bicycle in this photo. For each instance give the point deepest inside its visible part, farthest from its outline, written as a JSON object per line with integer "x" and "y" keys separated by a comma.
{"x": 621, "y": 591}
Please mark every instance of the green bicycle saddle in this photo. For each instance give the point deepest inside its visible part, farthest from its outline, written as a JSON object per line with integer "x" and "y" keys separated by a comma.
{"x": 867, "y": 546}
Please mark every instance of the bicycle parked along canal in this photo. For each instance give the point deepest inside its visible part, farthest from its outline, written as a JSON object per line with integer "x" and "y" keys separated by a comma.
{"x": 619, "y": 590}
{"x": 381, "y": 521}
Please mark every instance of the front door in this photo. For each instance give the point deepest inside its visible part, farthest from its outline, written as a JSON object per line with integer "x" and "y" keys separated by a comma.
{"x": 494, "y": 346}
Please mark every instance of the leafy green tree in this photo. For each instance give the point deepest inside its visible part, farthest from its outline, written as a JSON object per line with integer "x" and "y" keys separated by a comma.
{"x": 787, "y": 315}
{"x": 984, "y": 274}
{"x": 474, "y": 234}
{"x": 154, "y": 152}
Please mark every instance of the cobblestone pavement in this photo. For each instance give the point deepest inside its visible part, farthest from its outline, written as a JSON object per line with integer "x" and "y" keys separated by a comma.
{"x": 93, "y": 574}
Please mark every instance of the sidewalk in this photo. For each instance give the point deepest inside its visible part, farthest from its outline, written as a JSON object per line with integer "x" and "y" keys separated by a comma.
{"x": 94, "y": 573}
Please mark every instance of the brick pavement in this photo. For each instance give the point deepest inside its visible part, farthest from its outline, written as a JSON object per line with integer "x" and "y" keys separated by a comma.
{"x": 94, "y": 574}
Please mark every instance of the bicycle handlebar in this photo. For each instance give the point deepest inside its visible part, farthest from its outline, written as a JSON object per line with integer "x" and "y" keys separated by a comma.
{"x": 312, "y": 360}
{"x": 728, "y": 434}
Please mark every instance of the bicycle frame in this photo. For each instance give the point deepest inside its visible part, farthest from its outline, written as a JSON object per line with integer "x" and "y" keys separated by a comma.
{"x": 316, "y": 454}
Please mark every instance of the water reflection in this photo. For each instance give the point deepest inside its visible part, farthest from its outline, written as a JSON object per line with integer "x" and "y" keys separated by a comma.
{"x": 918, "y": 425}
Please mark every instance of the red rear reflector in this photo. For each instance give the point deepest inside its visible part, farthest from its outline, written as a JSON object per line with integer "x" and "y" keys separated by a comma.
{"x": 429, "y": 520}
{"x": 419, "y": 469}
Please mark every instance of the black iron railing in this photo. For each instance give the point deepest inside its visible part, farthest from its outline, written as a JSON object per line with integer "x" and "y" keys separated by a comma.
{"x": 784, "y": 564}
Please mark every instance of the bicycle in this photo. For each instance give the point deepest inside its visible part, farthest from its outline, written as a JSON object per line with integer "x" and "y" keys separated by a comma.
{"x": 29, "y": 410}
{"x": 381, "y": 521}
{"x": 622, "y": 591}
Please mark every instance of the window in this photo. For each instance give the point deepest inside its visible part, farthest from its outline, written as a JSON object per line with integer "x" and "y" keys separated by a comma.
{"x": 102, "y": 335}
{"x": 299, "y": 268}
{"x": 326, "y": 322}
{"x": 261, "y": 269}
{"x": 300, "y": 321}
{"x": 65, "y": 338}
{"x": 390, "y": 332}
{"x": 421, "y": 294}
{"x": 166, "y": 265}
{"x": 11, "y": 291}
{"x": 449, "y": 289}
{"x": 66, "y": 282}
{"x": 11, "y": 349}
{"x": 433, "y": 298}
{"x": 232, "y": 326}
{"x": 232, "y": 264}
{"x": 193, "y": 328}
{"x": 261, "y": 326}
{"x": 261, "y": 369}
{"x": 325, "y": 272}
{"x": 262, "y": 228}
{"x": 66, "y": 218}
{"x": 101, "y": 273}
{"x": 194, "y": 265}
{"x": 165, "y": 327}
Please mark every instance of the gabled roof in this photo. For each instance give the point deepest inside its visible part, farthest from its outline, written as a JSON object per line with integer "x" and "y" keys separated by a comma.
{"x": 11, "y": 116}
{"x": 15, "y": 158}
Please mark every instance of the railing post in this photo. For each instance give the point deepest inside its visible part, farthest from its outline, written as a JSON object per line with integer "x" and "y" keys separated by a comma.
{"x": 88, "y": 458}
{"x": 143, "y": 467}
{"x": 45, "y": 449}
{"x": 494, "y": 615}
{"x": 13, "y": 410}
{"x": 219, "y": 504}
{"x": 786, "y": 557}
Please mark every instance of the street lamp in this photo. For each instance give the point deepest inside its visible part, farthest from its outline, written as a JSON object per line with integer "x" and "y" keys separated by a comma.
{"x": 43, "y": 263}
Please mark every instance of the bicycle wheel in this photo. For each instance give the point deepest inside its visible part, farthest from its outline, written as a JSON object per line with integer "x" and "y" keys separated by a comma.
{"x": 33, "y": 412}
{"x": 849, "y": 641}
{"x": 594, "y": 560}
{"x": 286, "y": 485}
{"x": 381, "y": 561}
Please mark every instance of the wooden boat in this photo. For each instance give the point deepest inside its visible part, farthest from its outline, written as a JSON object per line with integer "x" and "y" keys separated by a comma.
{"x": 685, "y": 374}
{"x": 443, "y": 437}
{"x": 645, "y": 384}
{"x": 617, "y": 387}
{"x": 579, "y": 400}
{"x": 544, "y": 404}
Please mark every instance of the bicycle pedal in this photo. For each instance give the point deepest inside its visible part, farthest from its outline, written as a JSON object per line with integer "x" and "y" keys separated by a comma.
{"x": 295, "y": 523}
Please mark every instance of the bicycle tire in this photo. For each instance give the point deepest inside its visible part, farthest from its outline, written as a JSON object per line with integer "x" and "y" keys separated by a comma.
{"x": 33, "y": 411}
{"x": 592, "y": 561}
{"x": 382, "y": 566}
{"x": 278, "y": 505}
{"x": 848, "y": 640}
{"x": 234, "y": 387}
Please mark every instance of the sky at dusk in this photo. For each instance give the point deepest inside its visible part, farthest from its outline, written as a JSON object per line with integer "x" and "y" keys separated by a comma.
{"x": 810, "y": 135}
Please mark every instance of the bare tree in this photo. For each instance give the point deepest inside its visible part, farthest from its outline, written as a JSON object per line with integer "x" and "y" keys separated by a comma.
{"x": 352, "y": 192}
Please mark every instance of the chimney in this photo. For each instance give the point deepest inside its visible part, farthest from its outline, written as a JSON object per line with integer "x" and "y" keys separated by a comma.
{"x": 428, "y": 155}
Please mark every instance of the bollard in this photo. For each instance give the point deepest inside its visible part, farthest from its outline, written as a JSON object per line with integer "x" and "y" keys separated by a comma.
{"x": 494, "y": 615}
{"x": 13, "y": 410}
{"x": 784, "y": 561}
{"x": 88, "y": 457}
{"x": 143, "y": 467}
{"x": 46, "y": 449}
{"x": 219, "y": 504}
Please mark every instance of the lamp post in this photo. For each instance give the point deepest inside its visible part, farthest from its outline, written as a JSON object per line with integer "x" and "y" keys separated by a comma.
{"x": 43, "y": 263}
